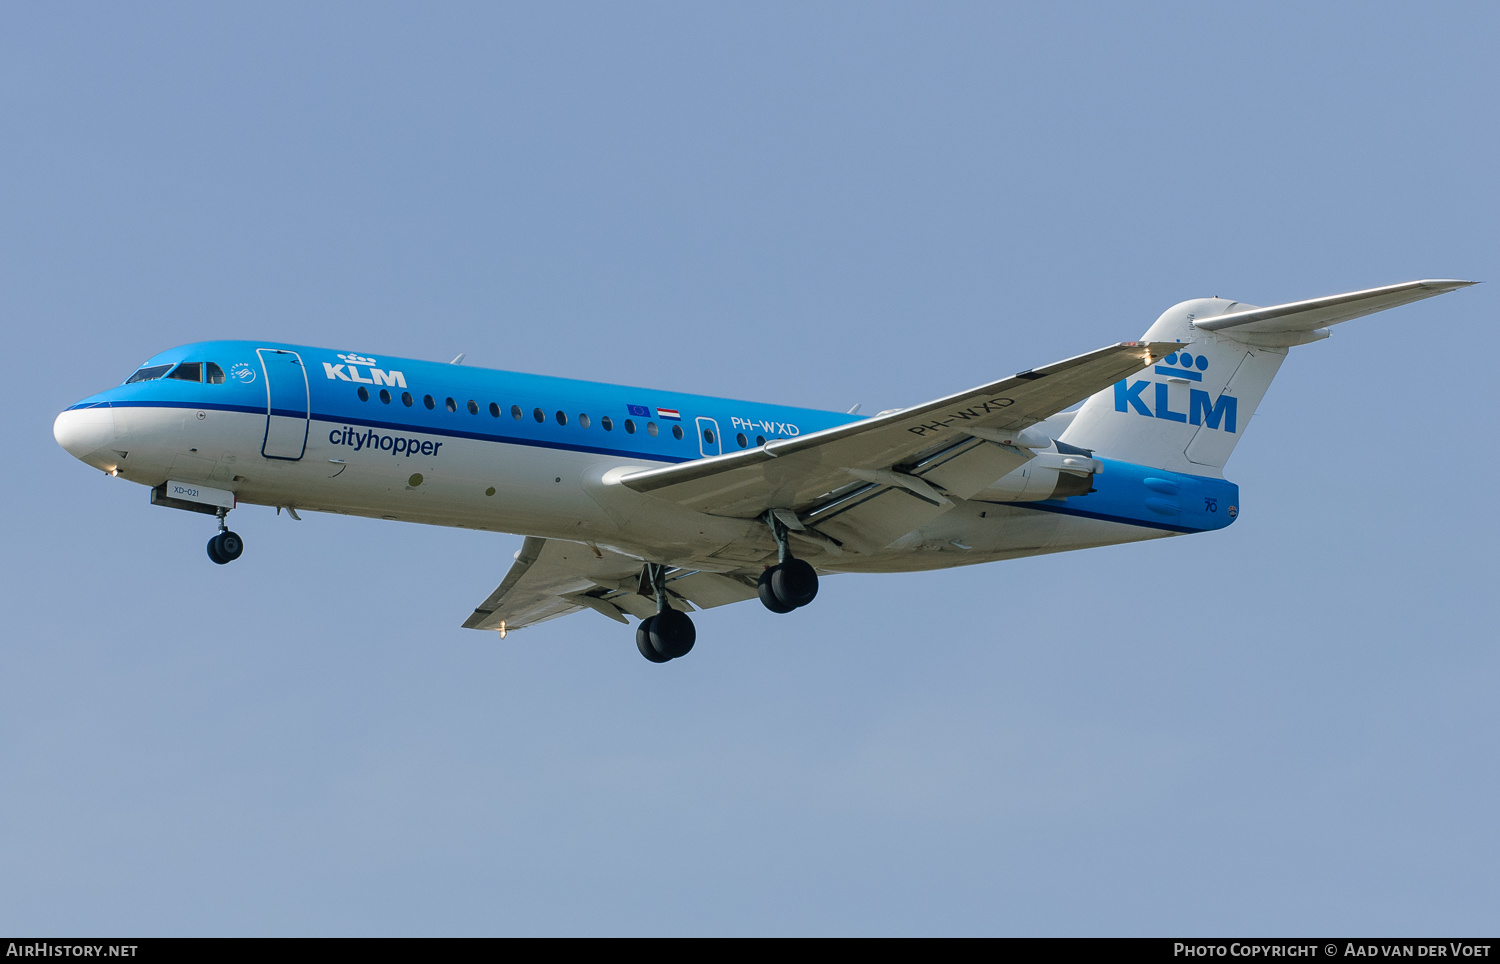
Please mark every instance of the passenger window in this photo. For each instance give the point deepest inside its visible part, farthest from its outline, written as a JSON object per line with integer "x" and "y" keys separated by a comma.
{"x": 740, "y": 438}
{"x": 651, "y": 429}
{"x": 188, "y": 372}
{"x": 677, "y": 432}
{"x": 148, "y": 374}
{"x": 760, "y": 440}
{"x": 215, "y": 374}
{"x": 451, "y": 405}
{"x": 494, "y": 410}
{"x": 562, "y": 418}
{"x": 427, "y": 400}
{"x": 539, "y": 415}
{"x": 583, "y": 421}
{"x": 515, "y": 412}
{"x": 406, "y": 399}
{"x": 629, "y": 426}
{"x": 364, "y": 394}
{"x": 607, "y": 423}
{"x": 473, "y": 407}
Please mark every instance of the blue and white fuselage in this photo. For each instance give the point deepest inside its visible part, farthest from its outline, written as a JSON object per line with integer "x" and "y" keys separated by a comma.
{"x": 703, "y": 495}
{"x": 516, "y": 453}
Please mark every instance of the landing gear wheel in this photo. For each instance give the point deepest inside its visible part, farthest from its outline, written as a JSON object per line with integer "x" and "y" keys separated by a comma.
{"x": 643, "y": 641}
{"x": 672, "y": 633}
{"x": 794, "y": 582}
{"x": 230, "y": 546}
{"x": 768, "y": 594}
{"x": 225, "y": 547}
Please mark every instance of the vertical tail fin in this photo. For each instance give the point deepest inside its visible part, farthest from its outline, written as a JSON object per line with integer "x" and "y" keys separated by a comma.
{"x": 1187, "y": 412}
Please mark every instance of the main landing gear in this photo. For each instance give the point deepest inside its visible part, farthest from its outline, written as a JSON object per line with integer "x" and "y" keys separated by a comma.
{"x": 670, "y": 633}
{"x": 226, "y": 546}
{"x": 791, "y": 583}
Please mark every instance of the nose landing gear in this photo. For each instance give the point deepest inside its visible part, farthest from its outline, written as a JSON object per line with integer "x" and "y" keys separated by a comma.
{"x": 790, "y": 584}
{"x": 670, "y": 633}
{"x": 226, "y": 546}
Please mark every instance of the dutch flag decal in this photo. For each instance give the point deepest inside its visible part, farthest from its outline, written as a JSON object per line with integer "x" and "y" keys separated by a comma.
{"x": 669, "y": 413}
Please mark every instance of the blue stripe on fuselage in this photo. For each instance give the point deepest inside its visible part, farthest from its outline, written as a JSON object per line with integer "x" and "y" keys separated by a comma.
{"x": 332, "y": 399}
{"x": 415, "y": 430}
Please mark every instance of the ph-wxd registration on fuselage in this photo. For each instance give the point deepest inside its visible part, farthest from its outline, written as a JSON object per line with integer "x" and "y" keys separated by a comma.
{"x": 650, "y": 503}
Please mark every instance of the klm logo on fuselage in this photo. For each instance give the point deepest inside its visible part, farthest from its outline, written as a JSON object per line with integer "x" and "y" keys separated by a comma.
{"x": 353, "y": 361}
{"x": 1203, "y": 409}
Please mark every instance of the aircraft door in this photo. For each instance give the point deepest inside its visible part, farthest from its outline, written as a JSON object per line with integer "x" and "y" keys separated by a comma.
{"x": 287, "y": 407}
{"x": 708, "y": 437}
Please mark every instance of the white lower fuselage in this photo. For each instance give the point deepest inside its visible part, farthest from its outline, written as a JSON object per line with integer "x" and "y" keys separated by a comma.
{"x": 533, "y": 490}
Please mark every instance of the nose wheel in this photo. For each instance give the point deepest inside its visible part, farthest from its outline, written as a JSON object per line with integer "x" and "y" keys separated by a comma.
{"x": 227, "y": 546}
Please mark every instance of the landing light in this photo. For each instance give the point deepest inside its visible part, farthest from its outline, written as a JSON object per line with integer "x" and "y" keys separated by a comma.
{"x": 501, "y": 630}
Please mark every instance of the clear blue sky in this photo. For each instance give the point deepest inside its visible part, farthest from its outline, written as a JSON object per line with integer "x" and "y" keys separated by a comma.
{"x": 1288, "y": 727}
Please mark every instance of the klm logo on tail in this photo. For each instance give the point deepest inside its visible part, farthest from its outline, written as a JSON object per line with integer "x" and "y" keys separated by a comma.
{"x": 1203, "y": 409}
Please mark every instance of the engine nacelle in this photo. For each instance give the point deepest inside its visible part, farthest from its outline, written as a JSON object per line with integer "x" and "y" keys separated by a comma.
{"x": 1051, "y": 475}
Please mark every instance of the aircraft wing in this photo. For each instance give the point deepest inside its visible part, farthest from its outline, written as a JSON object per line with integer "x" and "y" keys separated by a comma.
{"x": 552, "y": 578}
{"x": 863, "y": 485}
{"x": 1306, "y": 316}
{"x": 866, "y": 483}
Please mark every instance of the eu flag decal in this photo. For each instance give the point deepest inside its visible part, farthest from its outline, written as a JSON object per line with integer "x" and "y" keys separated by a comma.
{"x": 639, "y": 411}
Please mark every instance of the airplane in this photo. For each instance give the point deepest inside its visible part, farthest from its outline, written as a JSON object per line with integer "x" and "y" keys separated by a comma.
{"x": 649, "y": 503}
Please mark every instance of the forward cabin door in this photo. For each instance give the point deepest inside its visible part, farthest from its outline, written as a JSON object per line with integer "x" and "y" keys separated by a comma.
{"x": 287, "y": 407}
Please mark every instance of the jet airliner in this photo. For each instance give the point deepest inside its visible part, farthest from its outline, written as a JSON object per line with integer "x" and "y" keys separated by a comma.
{"x": 651, "y": 503}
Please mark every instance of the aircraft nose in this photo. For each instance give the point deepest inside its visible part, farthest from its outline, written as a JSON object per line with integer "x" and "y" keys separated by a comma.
{"x": 83, "y": 432}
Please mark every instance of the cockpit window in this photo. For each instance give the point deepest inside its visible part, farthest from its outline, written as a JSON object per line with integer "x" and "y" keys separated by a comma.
{"x": 215, "y": 374}
{"x": 147, "y": 374}
{"x": 188, "y": 372}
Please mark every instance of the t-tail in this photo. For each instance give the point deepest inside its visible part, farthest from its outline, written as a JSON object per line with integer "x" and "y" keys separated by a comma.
{"x": 1186, "y": 412}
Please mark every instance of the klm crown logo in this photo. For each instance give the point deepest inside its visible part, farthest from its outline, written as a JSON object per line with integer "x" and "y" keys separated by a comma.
{"x": 1188, "y": 363}
{"x": 353, "y": 360}
{"x": 1202, "y": 408}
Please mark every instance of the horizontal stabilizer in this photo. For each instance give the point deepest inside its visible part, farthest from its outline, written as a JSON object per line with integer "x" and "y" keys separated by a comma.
{"x": 1304, "y": 316}
{"x": 1187, "y": 414}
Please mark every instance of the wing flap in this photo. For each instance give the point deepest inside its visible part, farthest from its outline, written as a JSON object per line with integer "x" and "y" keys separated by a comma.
{"x": 1306, "y": 316}
{"x": 876, "y": 518}
{"x": 969, "y": 468}
{"x": 709, "y": 589}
